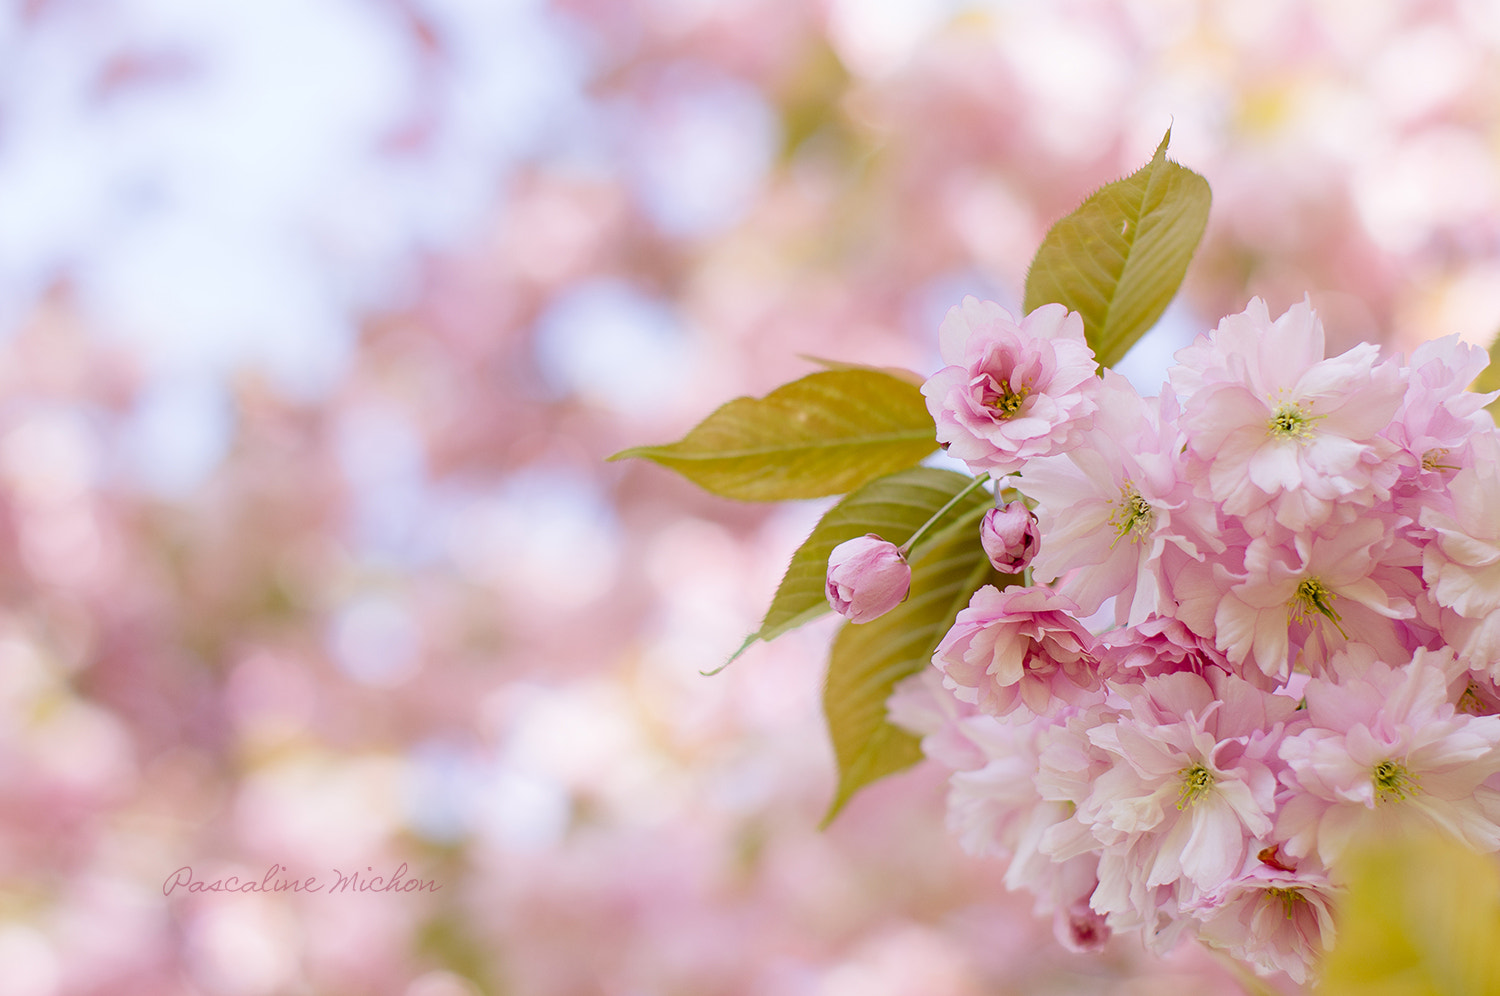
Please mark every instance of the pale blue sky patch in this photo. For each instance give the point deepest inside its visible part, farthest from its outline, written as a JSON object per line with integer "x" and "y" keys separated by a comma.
{"x": 376, "y": 640}
{"x": 699, "y": 147}
{"x": 613, "y": 345}
{"x": 177, "y": 433}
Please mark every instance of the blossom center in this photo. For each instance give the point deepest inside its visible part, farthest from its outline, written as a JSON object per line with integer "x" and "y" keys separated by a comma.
{"x": 1007, "y": 402}
{"x": 1197, "y": 781}
{"x": 1469, "y": 702}
{"x": 1289, "y": 421}
{"x": 1313, "y": 596}
{"x": 1289, "y": 898}
{"x": 1133, "y": 514}
{"x": 1393, "y": 782}
{"x": 1433, "y": 459}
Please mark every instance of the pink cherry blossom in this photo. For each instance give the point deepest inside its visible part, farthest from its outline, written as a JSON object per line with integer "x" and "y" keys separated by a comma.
{"x": 1476, "y": 641}
{"x": 1438, "y": 414}
{"x": 1277, "y": 427}
{"x": 1129, "y": 903}
{"x": 1461, "y": 565}
{"x": 1192, "y": 778}
{"x": 1304, "y": 595}
{"x": 1118, "y": 511}
{"x": 1472, "y": 690}
{"x": 919, "y": 703}
{"x": 995, "y": 802}
{"x": 997, "y": 809}
{"x": 1276, "y": 919}
{"x": 1161, "y": 645}
{"x": 1384, "y": 746}
{"x": 1078, "y": 926}
{"x": 1011, "y": 391}
{"x": 1018, "y": 647}
{"x": 1069, "y": 762}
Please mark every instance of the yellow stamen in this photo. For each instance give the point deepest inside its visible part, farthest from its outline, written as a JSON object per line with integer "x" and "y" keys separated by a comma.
{"x": 1393, "y": 782}
{"x": 1289, "y": 898}
{"x": 1197, "y": 781}
{"x": 1290, "y": 421}
{"x": 1133, "y": 514}
{"x": 1008, "y": 402}
{"x": 1312, "y": 596}
{"x": 1433, "y": 459}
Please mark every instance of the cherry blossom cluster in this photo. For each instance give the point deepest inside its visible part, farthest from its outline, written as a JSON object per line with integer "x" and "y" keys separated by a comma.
{"x": 1261, "y": 620}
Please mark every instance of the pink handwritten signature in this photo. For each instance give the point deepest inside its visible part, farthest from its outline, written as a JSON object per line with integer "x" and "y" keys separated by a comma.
{"x": 278, "y": 879}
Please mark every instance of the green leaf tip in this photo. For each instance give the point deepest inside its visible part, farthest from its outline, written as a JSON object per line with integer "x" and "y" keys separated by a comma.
{"x": 1161, "y": 148}
{"x": 1119, "y": 259}
{"x": 734, "y": 656}
{"x": 825, "y": 434}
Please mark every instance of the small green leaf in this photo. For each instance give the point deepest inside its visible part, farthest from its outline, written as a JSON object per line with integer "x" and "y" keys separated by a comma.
{"x": 810, "y": 102}
{"x": 825, "y": 434}
{"x": 1119, "y": 259}
{"x": 893, "y": 507}
{"x": 869, "y": 659}
{"x": 1489, "y": 378}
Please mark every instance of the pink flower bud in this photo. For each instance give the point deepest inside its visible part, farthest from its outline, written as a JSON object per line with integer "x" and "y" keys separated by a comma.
{"x": 1009, "y": 537}
{"x": 867, "y": 577}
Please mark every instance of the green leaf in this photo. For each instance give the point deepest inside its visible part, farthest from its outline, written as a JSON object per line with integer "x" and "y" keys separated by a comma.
{"x": 1119, "y": 259}
{"x": 1422, "y": 915}
{"x": 1489, "y": 378}
{"x": 893, "y": 507}
{"x": 868, "y": 659}
{"x": 825, "y": 434}
{"x": 810, "y": 101}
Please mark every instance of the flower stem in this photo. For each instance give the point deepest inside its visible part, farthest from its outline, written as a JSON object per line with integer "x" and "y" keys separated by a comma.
{"x": 905, "y": 548}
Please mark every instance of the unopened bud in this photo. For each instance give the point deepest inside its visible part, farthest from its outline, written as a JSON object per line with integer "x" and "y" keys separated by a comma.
{"x": 1009, "y": 537}
{"x": 867, "y": 577}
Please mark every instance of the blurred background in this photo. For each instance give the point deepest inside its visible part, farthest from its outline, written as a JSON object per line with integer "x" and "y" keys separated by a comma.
{"x": 317, "y": 321}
